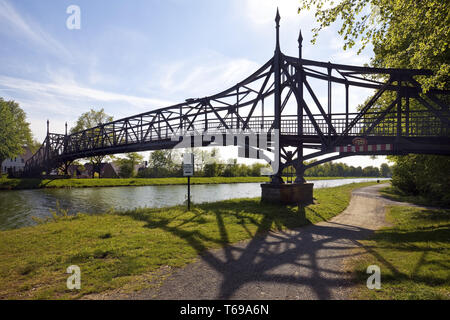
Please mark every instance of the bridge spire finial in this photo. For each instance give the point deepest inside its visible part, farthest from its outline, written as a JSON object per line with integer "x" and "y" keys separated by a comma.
{"x": 48, "y": 126}
{"x": 277, "y": 18}
{"x": 277, "y": 21}
{"x": 66, "y": 128}
{"x": 300, "y": 41}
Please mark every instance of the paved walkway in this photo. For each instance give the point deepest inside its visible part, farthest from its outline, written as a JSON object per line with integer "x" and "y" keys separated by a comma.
{"x": 306, "y": 263}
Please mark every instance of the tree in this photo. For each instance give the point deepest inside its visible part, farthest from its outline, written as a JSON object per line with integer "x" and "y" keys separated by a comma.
{"x": 404, "y": 34}
{"x": 385, "y": 170}
{"x": 163, "y": 163}
{"x": 213, "y": 169}
{"x": 89, "y": 120}
{"x": 15, "y": 132}
{"x": 127, "y": 165}
{"x": 424, "y": 175}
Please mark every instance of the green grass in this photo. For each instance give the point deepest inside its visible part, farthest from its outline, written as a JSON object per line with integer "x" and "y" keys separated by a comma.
{"x": 127, "y": 249}
{"x": 396, "y": 195}
{"x": 414, "y": 256}
{"x": 16, "y": 184}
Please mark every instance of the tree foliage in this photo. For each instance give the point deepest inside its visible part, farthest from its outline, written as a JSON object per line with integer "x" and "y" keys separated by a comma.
{"x": 339, "y": 169}
{"x": 127, "y": 165}
{"x": 88, "y": 120}
{"x": 15, "y": 131}
{"x": 423, "y": 175}
{"x": 167, "y": 163}
{"x": 404, "y": 34}
{"x": 91, "y": 119}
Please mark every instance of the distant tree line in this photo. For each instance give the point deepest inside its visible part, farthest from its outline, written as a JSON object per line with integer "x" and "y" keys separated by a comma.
{"x": 339, "y": 169}
{"x": 167, "y": 163}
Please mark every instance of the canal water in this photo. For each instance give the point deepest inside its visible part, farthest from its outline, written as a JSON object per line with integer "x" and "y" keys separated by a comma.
{"x": 17, "y": 207}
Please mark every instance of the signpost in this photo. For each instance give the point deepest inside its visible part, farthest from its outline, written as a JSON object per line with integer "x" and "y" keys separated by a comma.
{"x": 188, "y": 171}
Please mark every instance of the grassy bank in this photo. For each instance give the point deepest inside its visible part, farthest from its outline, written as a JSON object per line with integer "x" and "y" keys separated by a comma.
{"x": 18, "y": 184}
{"x": 413, "y": 255}
{"x": 130, "y": 249}
{"x": 394, "y": 194}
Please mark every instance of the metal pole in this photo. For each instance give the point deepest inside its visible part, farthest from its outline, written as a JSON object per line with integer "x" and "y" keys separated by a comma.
{"x": 65, "y": 139}
{"x": 399, "y": 109}
{"x": 300, "y": 90}
{"x": 407, "y": 115}
{"x": 277, "y": 178}
{"x": 346, "y": 105}
{"x": 329, "y": 100}
{"x": 181, "y": 120}
{"x": 237, "y": 109}
{"x": 299, "y": 171}
{"x": 262, "y": 118}
{"x": 189, "y": 193}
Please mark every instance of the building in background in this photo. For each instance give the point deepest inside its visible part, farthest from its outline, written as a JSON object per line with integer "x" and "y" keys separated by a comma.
{"x": 107, "y": 170}
{"x": 16, "y": 165}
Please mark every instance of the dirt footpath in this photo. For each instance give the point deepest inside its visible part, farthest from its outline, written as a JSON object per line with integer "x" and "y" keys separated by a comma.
{"x": 306, "y": 263}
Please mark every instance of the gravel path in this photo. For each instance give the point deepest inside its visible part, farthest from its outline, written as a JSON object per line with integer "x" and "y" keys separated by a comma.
{"x": 306, "y": 263}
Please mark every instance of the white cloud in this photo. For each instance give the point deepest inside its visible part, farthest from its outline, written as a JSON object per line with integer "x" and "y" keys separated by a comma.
{"x": 72, "y": 91}
{"x": 13, "y": 24}
{"x": 63, "y": 100}
{"x": 203, "y": 76}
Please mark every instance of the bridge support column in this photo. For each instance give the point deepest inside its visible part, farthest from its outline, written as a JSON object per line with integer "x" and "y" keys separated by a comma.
{"x": 299, "y": 172}
{"x": 277, "y": 191}
{"x": 301, "y": 194}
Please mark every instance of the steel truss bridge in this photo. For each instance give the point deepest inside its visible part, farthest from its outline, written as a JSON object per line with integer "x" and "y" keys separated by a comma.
{"x": 410, "y": 121}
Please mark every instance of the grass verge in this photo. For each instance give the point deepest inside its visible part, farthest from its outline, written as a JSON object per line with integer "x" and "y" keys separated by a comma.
{"x": 18, "y": 184}
{"x": 413, "y": 256}
{"x": 396, "y": 195}
{"x": 127, "y": 249}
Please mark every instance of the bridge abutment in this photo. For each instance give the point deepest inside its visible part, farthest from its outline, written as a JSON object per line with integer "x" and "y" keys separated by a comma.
{"x": 301, "y": 193}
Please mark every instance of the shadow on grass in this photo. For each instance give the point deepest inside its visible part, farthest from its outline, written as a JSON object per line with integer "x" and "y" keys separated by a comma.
{"x": 418, "y": 246}
{"x": 396, "y": 277}
{"x": 267, "y": 257}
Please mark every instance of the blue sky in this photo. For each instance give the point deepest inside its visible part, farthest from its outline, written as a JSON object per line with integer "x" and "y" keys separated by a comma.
{"x": 133, "y": 56}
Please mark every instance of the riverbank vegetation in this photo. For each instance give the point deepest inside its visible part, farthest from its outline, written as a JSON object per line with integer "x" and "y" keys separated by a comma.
{"x": 422, "y": 178}
{"x": 130, "y": 249}
{"x": 395, "y": 194}
{"x": 20, "y": 184}
{"x": 166, "y": 163}
{"x": 413, "y": 256}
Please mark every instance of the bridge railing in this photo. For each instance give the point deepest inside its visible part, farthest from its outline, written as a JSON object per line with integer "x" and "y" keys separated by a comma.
{"x": 48, "y": 153}
{"x": 419, "y": 124}
{"x": 122, "y": 133}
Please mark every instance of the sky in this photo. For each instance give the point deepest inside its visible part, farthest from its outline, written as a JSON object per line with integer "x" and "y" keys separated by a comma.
{"x": 129, "y": 57}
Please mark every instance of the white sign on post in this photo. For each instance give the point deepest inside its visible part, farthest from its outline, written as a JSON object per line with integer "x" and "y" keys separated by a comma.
{"x": 188, "y": 164}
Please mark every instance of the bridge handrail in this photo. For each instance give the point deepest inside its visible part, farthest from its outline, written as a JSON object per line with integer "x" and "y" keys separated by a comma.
{"x": 361, "y": 70}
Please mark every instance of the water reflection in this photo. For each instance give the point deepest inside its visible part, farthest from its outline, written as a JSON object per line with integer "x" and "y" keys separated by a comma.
{"x": 18, "y": 207}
